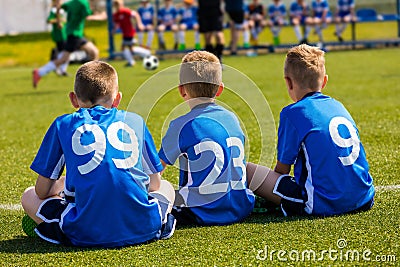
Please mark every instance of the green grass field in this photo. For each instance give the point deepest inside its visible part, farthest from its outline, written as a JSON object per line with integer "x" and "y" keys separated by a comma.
{"x": 366, "y": 82}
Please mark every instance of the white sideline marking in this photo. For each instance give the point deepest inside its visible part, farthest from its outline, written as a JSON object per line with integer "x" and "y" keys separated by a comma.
{"x": 378, "y": 188}
{"x": 388, "y": 187}
{"x": 10, "y": 207}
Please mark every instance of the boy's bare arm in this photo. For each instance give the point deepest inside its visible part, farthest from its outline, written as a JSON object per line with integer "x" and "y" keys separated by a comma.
{"x": 164, "y": 166}
{"x": 282, "y": 168}
{"x": 46, "y": 187}
{"x": 138, "y": 20}
{"x": 155, "y": 181}
{"x": 97, "y": 16}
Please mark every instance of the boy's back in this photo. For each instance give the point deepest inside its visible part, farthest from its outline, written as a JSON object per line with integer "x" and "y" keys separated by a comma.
{"x": 209, "y": 144}
{"x": 319, "y": 137}
{"x": 323, "y": 129}
{"x": 210, "y": 148}
{"x": 112, "y": 194}
{"x": 105, "y": 151}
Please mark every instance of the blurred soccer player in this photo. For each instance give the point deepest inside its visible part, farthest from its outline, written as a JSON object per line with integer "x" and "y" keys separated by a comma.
{"x": 77, "y": 12}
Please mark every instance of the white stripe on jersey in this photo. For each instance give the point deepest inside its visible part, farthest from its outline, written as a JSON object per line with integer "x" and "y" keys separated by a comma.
{"x": 67, "y": 209}
{"x": 309, "y": 186}
{"x": 147, "y": 169}
{"x": 184, "y": 191}
{"x": 57, "y": 169}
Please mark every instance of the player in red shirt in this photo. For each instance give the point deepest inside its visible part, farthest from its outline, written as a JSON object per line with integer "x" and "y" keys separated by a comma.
{"x": 123, "y": 20}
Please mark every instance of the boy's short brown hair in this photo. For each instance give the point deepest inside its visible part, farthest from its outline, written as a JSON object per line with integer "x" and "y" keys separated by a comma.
{"x": 95, "y": 80}
{"x": 201, "y": 74}
{"x": 306, "y": 65}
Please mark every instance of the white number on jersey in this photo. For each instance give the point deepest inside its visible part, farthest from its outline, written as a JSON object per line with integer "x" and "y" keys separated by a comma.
{"x": 209, "y": 186}
{"x": 353, "y": 141}
{"x": 99, "y": 145}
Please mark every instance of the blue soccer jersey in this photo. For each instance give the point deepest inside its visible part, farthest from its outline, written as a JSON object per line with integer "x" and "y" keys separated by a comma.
{"x": 276, "y": 12}
{"x": 166, "y": 15}
{"x": 188, "y": 15}
{"x": 320, "y": 138}
{"x": 320, "y": 7}
{"x": 108, "y": 154}
{"x": 297, "y": 10}
{"x": 146, "y": 14}
{"x": 209, "y": 144}
{"x": 344, "y": 7}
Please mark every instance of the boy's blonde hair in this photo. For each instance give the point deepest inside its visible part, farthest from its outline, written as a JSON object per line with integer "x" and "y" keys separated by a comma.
{"x": 306, "y": 65}
{"x": 96, "y": 80}
{"x": 200, "y": 74}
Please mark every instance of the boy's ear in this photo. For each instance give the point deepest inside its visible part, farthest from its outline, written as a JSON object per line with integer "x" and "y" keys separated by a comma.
{"x": 324, "y": 82}
{"x": 220, "y": 89}
{"x": 117, "y": 100}
{"x": 289, "y": 83}
{"x": 74, "y": 100}
{"x": 182, "y": 91}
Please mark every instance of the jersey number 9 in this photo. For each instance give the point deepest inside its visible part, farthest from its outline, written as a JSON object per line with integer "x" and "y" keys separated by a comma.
{"x": 353, "y": 141}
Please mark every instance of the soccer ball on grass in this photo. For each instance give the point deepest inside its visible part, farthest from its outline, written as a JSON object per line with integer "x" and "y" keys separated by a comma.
{"x": 150, "y": 62}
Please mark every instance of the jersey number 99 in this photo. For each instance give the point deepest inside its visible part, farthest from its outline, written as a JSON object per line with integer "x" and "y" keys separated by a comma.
{"x": 99, "y": 145}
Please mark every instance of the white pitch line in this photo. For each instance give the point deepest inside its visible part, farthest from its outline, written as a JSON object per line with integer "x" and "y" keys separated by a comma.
{"x": 10, "y": 207}
{"x": 378, "y": 188}
{"x": 388, "y": 187}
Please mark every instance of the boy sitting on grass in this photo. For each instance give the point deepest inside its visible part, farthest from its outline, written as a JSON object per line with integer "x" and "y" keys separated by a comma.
{"x": 209, "y": 144}
{"x": 112, "y": 165}
{"x": 319, "y": 137}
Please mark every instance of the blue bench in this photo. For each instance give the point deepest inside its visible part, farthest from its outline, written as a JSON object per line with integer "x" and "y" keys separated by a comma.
{"x": 370, "y": 15}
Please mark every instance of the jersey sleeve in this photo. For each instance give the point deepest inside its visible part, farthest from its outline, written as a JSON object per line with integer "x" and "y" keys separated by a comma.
{"x": 170, "y": 149}
{"x": 151, "y": 161}
{"x": 49, "y": 161}
{"x": 288, "y": 141}
{"x": 86, "y": 8}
